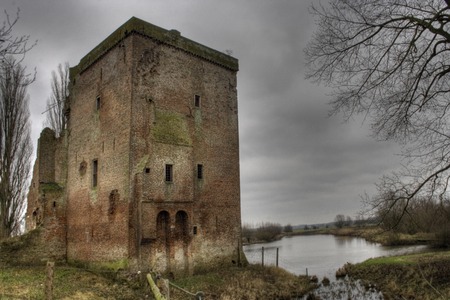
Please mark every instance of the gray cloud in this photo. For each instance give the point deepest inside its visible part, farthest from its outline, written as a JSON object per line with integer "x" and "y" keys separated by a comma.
{"x": 297, "y": 164}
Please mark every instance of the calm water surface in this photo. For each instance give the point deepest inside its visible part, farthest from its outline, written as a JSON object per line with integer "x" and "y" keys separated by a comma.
{"x": 321, "y": 255}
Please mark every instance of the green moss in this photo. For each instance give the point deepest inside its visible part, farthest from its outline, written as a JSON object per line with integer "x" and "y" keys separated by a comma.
{"x": 50, "y": 187}
{"x": 19, "y": 242}
{"x": 93, "y": 195}
{"x": 394, "y": 260}
{"x": 141, "y": 165}
{"x": 114, "y": 265}
{"x": 171, "y": 128}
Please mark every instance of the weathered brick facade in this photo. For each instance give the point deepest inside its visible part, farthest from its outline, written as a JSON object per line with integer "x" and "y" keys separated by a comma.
{"x": 149, "y": 174}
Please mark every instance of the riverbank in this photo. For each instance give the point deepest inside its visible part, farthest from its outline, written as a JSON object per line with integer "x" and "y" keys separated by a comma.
{"x": 373, "y": 234}
{"x": 415, "y": 276}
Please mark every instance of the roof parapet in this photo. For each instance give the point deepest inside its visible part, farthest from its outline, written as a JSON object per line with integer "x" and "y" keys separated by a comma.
{"x": 169, "y": 37}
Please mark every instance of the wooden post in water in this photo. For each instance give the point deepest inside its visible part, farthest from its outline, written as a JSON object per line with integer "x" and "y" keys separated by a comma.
{"x": 49, "y": 280}
{"x": 277, "y": 259}
{"x": 262, "y": 256}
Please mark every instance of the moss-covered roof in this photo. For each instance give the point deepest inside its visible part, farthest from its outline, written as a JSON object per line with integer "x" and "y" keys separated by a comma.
{"x": 169, "y": 37}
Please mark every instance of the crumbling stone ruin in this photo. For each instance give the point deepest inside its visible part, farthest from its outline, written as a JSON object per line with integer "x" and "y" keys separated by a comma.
{"x": 146, "y": 175}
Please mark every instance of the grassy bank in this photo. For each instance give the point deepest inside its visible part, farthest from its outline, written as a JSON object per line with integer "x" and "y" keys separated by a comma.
{"x": 28, "y": 282}
{"x": 418, "y": 276}
{"x": 373, "y": 234}
{"x": 252, "y": 282}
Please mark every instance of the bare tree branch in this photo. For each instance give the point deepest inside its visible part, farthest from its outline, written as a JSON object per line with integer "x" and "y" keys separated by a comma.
{"x": 15, "y": 146}
{"x": 389, "y": 60}
{"x": 11, "y": 44}
{"x": 56, "y": 118}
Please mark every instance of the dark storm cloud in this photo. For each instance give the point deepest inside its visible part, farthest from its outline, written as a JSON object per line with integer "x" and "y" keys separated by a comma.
{"x": 297, "y": 164}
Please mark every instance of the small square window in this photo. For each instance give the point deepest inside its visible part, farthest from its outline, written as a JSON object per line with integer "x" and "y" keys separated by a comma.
{"x": 199, "y": 171}
{"x": 197, "y": 101}
{"x": 147, "y": 170}
{"x": 169, "y": 173}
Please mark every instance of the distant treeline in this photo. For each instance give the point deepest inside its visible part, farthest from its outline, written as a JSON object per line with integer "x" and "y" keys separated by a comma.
{"x": 421, "y": 215}
{"x": 263, "y": 232}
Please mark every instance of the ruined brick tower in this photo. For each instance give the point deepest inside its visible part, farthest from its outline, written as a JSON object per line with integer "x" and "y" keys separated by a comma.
{"x": 148, "y": 168}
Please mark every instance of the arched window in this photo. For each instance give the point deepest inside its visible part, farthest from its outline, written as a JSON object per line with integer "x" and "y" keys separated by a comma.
{"x": 162, "y": 224}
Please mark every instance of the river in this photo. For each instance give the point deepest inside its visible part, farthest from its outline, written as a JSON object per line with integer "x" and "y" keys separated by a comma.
{"x": 320, "y": 255}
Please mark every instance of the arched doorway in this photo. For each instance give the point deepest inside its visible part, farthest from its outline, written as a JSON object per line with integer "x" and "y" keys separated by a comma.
{"x": 182, "y": 239}
{"x": 163, "y": 236}
{"x": 181, "y": 225}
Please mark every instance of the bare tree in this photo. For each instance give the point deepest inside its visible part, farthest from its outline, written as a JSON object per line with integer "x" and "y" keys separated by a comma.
{"x": 11, "y": 44}
{"x": 389, "y": 60}
{"x": 339, "y": 221}
{"x": 15, "y": 145}
{"x": 56, "y": 119}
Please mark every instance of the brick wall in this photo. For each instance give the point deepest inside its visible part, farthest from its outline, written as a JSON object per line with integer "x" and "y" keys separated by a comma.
{"x": 99, "y": 129}
{"x": 46, "y": 209}
{"x": 142, "y": 100}
{"x": 170, "y": 129}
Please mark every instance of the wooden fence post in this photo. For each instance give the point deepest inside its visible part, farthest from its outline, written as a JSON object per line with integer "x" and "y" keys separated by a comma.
{"x": 277, "y": 259}
{"x": 262, "y": 256}
{"x": 49, "y": 280}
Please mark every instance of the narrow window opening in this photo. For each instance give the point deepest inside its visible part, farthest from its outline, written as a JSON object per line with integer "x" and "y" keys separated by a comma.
{"x": 114, "y": 144}
{"x": 147, "y": 170}
{"x": 54, "y": 203}
{"x": 169, "y": 173}
{"x": 197, "y": 101}
{"x": 103, "y": 147}
{"x": 94, "y": 172}
{"x": 97, "y": 103}
{"x": 195, "y": 230}
{"x": 199, "y": 171}
{"x": 114, "y": 197}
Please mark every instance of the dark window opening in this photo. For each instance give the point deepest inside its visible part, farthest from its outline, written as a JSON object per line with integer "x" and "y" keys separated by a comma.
{"x": 94, "y": 173}
{"x": 54, "y": 203}
{"x": 97, "y": 103}
{"x": 147, "y": 170}
{"x": 181, "y": 224}
{"x": 197, "y": 101}
{"x": 163, "y": 229}
{"x": 195, "y": 230}
{"x": 199, "y": 171}
{"x": 169, "y": 173}
{"x": 114, "y": 198}
{"x": 146, "y": 241}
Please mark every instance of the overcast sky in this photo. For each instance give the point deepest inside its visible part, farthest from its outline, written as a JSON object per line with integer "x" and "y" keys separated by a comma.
{"x": 297, "y": 164}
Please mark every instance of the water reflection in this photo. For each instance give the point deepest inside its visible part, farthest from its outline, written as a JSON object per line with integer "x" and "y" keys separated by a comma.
{"x": 320, "y": 255}
{"x": 345, "y": 289}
